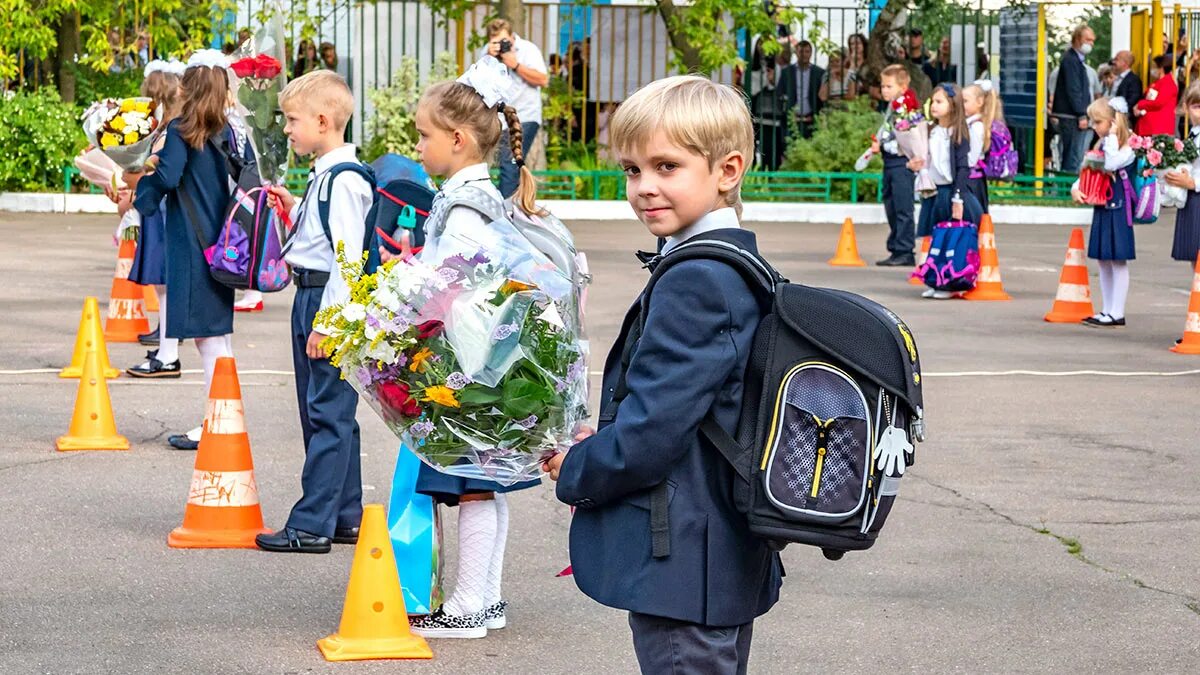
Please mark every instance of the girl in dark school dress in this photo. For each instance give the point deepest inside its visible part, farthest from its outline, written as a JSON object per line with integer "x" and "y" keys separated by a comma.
{"x": 1186, "y": 246}
{"x": 192, "y": 177}
{"x": 1111, "y": 239}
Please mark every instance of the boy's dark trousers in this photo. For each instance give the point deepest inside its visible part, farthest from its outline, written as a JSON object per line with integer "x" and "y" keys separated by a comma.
{"x": 898, "y": 204}
{"x": 667, "y": 645}
{"x": 332, "y": 477}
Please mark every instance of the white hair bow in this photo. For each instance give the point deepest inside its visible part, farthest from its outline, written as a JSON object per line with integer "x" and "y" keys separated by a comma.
{"x": 207, "y": 58}
{"x": 985, "y": 85}
{"x": 1119, "y": 104}
{"x": 489, "y": 78}
{"x": 176, "y": 66}
{"x": 155, "y": 66}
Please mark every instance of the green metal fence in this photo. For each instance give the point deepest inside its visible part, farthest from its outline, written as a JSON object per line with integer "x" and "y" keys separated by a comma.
{"x": 805, "y": 187}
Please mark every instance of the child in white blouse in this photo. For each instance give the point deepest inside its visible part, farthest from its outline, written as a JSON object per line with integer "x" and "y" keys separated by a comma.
{"x": 976, "y": 102}
{"x": 1111, "y": 239}
{"x": 1186, "y": 247}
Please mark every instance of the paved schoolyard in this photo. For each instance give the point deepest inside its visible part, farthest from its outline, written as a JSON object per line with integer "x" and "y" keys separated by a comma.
{"x": 1050, "y": 524}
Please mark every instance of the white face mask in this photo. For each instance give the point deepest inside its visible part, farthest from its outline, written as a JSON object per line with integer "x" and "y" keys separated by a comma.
{"x": 1085, "y": 48}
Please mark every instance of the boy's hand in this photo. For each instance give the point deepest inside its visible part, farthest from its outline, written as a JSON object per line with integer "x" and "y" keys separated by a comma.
{"x": 278, "y": 195}
{"x": 313, "y": 348}
{"x": 916, "y": 164}
{"x": 875, "y": 146}
{"x": 405, "y": 253}
{"x": 553, "y": 465}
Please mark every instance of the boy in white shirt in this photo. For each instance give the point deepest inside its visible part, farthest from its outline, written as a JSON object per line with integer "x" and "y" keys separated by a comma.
{"x": 318, "y": 107}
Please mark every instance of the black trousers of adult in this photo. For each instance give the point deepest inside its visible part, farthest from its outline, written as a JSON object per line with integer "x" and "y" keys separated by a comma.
{"x": 672, "y": 647}
{"x": 332, "y": 478}
{"x": 898, "y": 205}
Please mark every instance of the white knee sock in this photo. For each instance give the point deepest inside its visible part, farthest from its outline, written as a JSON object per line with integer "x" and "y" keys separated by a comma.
{"x": 1120, "y": 289}
{"x": 496, "y": 570}
{"x": 212, "y": 348}
{"x": 476, "y": 541}
{"x": 168, "y": 348}
{"x": 1106, "y": 285}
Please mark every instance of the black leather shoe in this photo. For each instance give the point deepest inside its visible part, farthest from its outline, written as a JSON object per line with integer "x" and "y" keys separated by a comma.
{"x": 182, "y": 442}
{"x": 155, "y": 368}
{"x": 897, "y": 260}
{"x": 345, "y": 535}
{"x": 149, "y": 339}
{"x": 291, "y": 540}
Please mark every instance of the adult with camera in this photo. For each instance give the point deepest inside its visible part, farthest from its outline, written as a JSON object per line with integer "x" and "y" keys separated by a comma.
{"x": 528, "y": 69}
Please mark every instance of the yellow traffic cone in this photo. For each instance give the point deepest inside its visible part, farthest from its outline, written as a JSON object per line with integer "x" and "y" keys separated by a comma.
{"x": 92, "y": 425}
{"x": 374, "y": 622}
{"x": 847, "y": 250}
{"x": 90, "y": 336}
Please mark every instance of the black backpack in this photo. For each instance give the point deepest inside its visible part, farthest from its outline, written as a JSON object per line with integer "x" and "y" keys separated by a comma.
{"x": 401, "y": 204}
{"x": 832, "y": 391}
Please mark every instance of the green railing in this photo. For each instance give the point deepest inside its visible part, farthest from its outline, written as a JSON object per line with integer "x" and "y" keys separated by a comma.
{"x": 759, "y": 186}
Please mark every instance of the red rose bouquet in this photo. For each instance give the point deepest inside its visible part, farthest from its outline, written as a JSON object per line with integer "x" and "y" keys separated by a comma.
{"x": 259, "y": 68}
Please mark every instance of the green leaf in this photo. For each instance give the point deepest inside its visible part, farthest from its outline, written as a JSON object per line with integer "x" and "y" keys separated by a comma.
{"x": 476, "y": 395}
{"x": 523, "y": 398}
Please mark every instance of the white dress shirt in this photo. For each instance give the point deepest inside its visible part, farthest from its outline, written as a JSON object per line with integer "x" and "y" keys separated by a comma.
{"x": 1115, "y": 156}
{"x": 524, "y": 97}
{"x": 720, "y": 219}
{"x": 975, "y": 131}
{"x": 940, "y": 147}
{"x": 466, "y": 232}
{"x": 349, "y": 201}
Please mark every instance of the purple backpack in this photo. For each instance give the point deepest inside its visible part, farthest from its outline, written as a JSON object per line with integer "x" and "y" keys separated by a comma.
{"x": 248, "y": 253}
{"x": 1001, "y": 161}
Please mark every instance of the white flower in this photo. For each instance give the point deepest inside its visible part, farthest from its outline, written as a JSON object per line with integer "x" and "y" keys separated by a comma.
{"x": 354, "y": 312}
{"x": 370, "y": 333}
{"x": 387, "y": 298}
{"x": 382, "y": 352}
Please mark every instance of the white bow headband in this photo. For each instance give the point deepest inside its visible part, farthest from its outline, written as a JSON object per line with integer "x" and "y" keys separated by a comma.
{"x": 985, "y": 85}
{"x": 1119, "y": 104}
{"x": 208, "y": 58}
{"x": 173, "y": 66}
{"x": 489, "y": 78}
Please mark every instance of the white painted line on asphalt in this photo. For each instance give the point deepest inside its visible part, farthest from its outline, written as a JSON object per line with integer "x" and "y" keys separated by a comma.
{"x": 1017, "y": 268}
{"x": 1065, "y": 373}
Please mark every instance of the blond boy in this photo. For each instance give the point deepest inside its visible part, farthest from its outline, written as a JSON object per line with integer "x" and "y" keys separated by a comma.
{"x": 694, "y": 585}
{"x": 897, "y": 177}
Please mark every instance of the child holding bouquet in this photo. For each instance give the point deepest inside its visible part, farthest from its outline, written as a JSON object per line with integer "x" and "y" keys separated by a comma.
{"x": 897, "y": 177}
{"x": 459, "y": 128}
{"x": 150, "y": 261}
{"x": 191, "y": 175}
{"x": 1111, "y": 239}
{"x": 1186, "y": 245}
{"x": 949, "y": 167}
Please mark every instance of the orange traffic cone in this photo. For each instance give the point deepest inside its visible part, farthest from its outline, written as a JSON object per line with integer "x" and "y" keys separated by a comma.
{"x": 127, "y": 305}
{"x": 1073, "y": 302}
{"x": 151, "y": 298}
{"x": 222, "y": 508}
{"x": 92, "y": 424}
{"x": 374, "y": 622}
{"x": 90, "y": 337}
{"x": 1191, "y": 329}
{"x": 847, "y": 250}
{"x": 988, "y": 285}
{"x": 915, "y": 279}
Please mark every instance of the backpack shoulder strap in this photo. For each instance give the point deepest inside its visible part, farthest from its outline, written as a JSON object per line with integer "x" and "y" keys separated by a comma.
{"x": 325, "y": 191}
{"x": 474, "y": 198}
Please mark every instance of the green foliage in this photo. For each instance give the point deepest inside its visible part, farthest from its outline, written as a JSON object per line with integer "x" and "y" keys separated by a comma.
{"x": 559, "y": 101}
{"x": 841, "y": 136}
{"x": 1100, "y": 21}
{"x": 583, "y": 158}
{"x": 40, "y": 136}
{"x": 93, "y": 85}
{"x": 393, "y": 127}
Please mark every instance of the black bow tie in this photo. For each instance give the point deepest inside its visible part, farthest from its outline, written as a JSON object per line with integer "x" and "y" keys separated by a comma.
{"x": 648, "y": 260}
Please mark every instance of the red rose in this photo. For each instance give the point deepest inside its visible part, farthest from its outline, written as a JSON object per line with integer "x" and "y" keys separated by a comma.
{"x": 395, "y": 396}
{"x": 266, "y": 67}
{"x": 243, "y": 67}
{"x": 429, "y": 329}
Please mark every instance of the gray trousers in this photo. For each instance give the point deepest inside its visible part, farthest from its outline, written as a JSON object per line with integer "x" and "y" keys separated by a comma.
{"x": 668, "y": 646}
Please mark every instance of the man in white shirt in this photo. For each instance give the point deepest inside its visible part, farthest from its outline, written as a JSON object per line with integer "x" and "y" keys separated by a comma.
{"x": 528, "y": 68}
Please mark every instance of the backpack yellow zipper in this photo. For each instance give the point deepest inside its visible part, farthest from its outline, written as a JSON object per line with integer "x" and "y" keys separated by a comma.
{"x": 822, "y": 439}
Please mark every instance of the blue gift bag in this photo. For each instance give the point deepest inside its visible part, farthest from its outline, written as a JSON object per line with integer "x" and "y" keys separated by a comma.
{"x": 416, "y": 537}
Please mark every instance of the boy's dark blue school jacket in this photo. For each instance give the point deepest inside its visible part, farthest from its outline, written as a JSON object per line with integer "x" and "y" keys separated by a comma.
{"x": 690, "y": 360}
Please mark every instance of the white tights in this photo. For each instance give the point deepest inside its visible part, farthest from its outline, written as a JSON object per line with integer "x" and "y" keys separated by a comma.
{"x": 1114, "y": 287}
{"x": 168, "y": 348}
{"x": 482, "y": 533}
{"x": 211, "y": 349}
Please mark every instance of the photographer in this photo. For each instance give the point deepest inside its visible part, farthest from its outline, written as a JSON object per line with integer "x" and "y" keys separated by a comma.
{"x": 528, "y": 68}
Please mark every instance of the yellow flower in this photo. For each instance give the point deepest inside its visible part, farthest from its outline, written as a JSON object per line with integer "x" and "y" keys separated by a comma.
{"x": 142, "y": 107}
{"x": 127, "y": 105}
{"x": 511, "y": 287}
{"x": 117, "y": 123}
{"x": 109, "y": 140}
{"x": 441, "y": 395}
{"x": 131, "y": 138}
{"x": 419, "y": 359}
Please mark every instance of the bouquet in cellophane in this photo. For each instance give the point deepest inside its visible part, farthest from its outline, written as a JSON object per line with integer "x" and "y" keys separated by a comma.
{"x": 1162, "y": 153}
{"x": 478, "y": 364}
{"x": 123, "y": 129}
{"x": 912, "y": 136}
{"x": 259, "y": 66}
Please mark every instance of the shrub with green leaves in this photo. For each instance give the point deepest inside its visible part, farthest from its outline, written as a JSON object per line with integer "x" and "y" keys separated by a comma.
{"x": 840, "y": 137}
{"x": 40, "y": 135}
{"x": 393, "y": 127}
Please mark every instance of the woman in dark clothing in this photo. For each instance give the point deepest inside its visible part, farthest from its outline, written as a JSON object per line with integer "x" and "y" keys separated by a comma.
{"x": 191, "y": 174}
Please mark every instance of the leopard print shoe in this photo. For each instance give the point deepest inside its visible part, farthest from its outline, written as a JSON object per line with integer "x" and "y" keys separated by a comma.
{"x": 443, "y": 625}
{"x": 493, "y": 617}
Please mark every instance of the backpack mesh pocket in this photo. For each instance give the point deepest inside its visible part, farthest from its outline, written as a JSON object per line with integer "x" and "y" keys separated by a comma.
{"x": 818, "y": 457}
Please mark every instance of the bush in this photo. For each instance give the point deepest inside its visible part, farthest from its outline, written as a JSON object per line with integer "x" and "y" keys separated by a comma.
{"x": 393, "y": 126}
{"x": 40, "y": 135}
{"x": 92, "y": 85}
{"x": 841, "y": 136}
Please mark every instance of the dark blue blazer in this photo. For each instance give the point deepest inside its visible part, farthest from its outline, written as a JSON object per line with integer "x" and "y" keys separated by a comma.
{"x": 197, "y": 306}
{"x": 690, "y": 360}
{"x": 1072, "y": 92}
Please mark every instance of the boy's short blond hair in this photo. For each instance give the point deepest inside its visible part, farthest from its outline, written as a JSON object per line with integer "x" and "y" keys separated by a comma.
{"x": 898, "y": 73}
{"x": 707, "y": 119}
{"x": 323, "y": 92}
